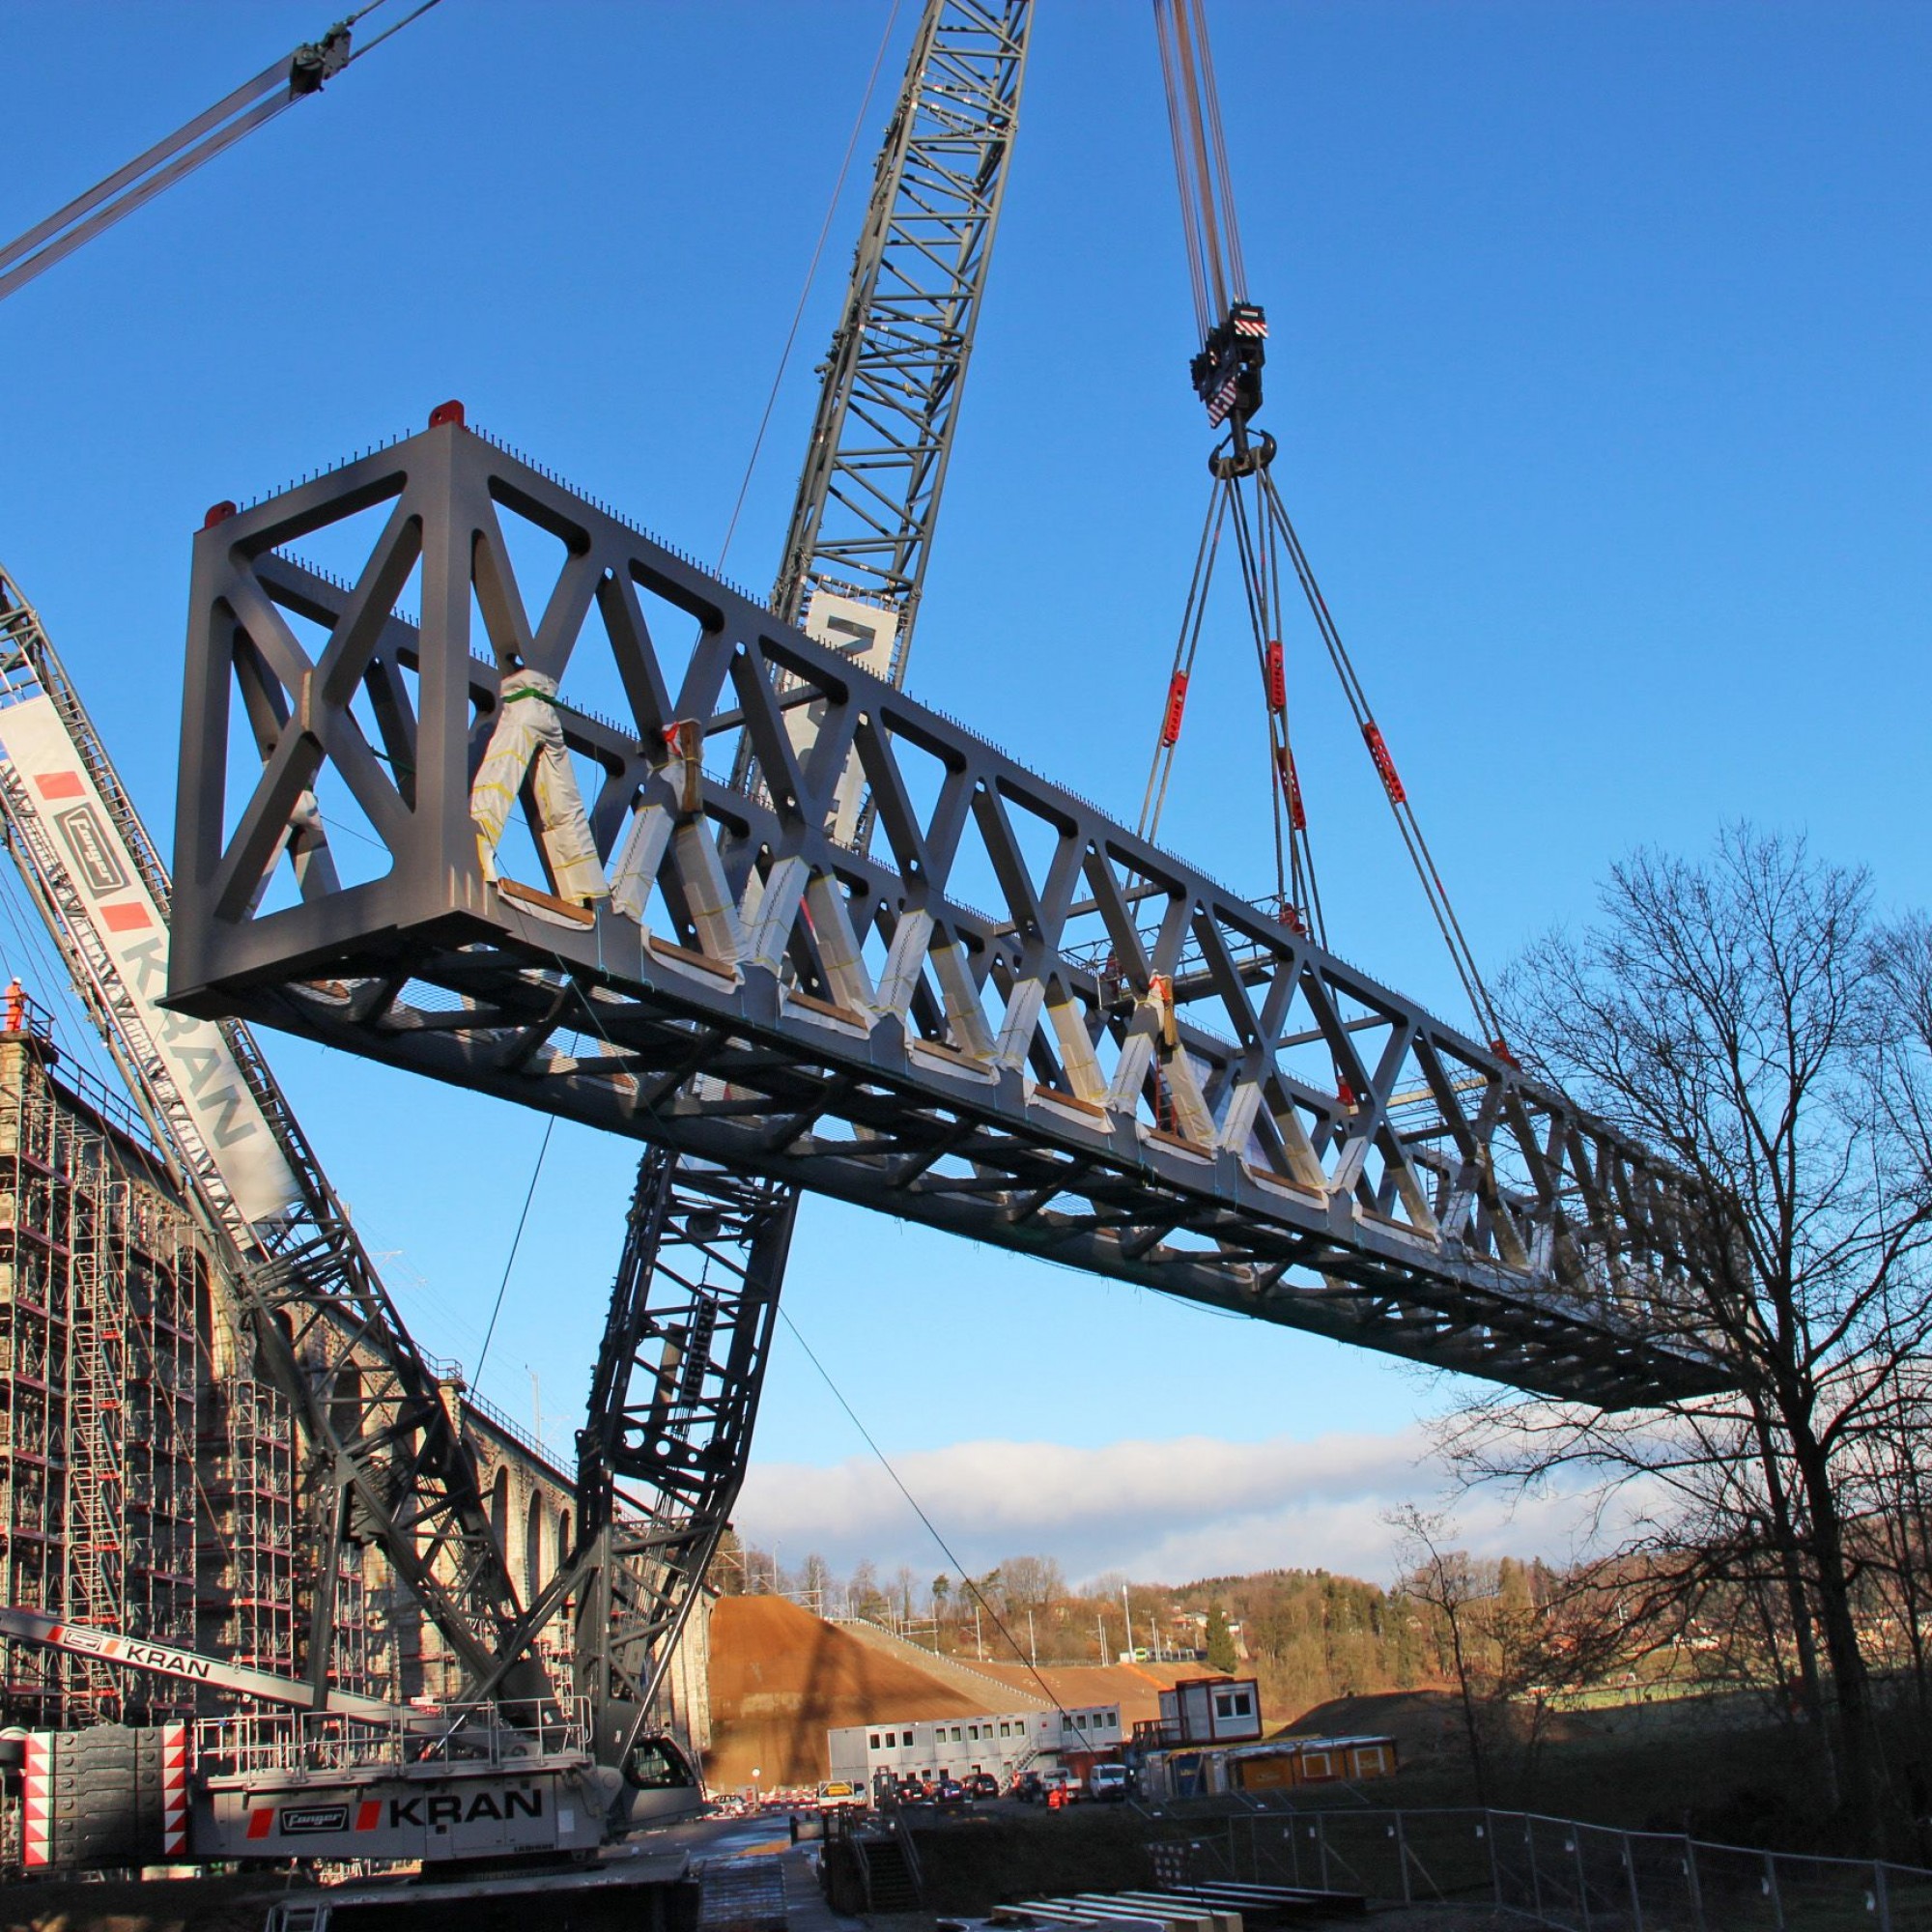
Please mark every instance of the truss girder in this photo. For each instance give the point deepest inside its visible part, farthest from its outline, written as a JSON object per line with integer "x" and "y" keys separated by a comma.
{"x": 1122, "y": 1066}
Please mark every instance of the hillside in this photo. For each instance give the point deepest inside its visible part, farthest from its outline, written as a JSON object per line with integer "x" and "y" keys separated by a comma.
{"x": 781, "y": 1679}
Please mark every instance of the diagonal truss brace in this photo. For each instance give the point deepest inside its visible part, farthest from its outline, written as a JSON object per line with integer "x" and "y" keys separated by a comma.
{"x": 1123, "y": 1067}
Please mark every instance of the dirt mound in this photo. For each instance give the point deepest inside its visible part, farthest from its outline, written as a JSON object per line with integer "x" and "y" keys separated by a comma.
{"x": 1135, "y": 1687}
{"x": 1423, "y": 1723}
{"x": 781, "y": 1678}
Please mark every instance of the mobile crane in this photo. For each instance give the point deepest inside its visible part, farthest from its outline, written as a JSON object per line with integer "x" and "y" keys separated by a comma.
{"x": 344, "y": 1775}
{"x": 348, "y": 1778}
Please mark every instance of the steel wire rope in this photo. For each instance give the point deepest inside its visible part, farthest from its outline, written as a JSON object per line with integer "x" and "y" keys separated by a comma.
{"x": 388, "y": 32}
{"x": 37, "y": 945}
{"x": 510, "y": 1261}
{"x": 933, "y": 1528}
{"x": 1254, "y": 590}
{"x": 1193, "y": 615}
{"x": 1224, "y": 175}
{"x": 810, "y": 276}
{"x": 1462, "y": 955}
{"x": 1190, "y": 229}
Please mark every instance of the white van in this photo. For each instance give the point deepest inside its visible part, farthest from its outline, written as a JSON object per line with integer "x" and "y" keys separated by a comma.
{"x": 1107, "y": 1782}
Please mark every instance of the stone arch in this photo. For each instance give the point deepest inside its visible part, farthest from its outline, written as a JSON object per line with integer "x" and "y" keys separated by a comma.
{"x": 500, "y": 1509}
{"x": 533, "y": 1557}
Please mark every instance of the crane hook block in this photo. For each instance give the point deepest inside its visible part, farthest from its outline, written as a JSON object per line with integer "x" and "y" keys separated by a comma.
{"x": 1177, "y": 704}
{"x": 1228, "y": 371}
{"x": 1276, "y": 673}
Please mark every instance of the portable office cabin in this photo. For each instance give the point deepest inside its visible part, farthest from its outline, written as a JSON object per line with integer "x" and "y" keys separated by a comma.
{"x": 1277, "y": 1765}
{"x": 1211, "y": 1711}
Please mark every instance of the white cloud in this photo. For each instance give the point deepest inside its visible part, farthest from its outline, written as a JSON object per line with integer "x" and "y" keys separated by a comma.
{"x": 1159, "y": 1510}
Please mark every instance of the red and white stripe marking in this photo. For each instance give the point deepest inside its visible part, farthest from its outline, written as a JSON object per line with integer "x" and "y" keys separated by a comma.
{"x": 174, "y": 1790}
{"x": 38, "y": 1801}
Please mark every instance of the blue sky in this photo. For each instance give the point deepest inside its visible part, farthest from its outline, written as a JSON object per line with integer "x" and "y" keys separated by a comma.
{"x": 1598, "y": 365}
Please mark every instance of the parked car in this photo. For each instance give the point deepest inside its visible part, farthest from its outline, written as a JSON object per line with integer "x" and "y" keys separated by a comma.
{"x": 1028, "y": 1788}
{"x": 983, "y": 1784}
{"x": 1107, "y": 1782}
{"x": 1063, "y": 1781}
{"x": 949, "y": 1791}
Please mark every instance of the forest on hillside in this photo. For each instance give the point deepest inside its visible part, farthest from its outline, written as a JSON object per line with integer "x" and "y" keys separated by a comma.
{"x": 1308, "y": 1636}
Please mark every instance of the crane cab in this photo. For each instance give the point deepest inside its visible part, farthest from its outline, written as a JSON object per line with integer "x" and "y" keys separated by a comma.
{"x": 659, "y": 1785}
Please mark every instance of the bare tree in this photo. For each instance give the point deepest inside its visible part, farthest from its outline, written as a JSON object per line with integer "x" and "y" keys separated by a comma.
{"x": 815, "y": 1585}
{"x": 1028, "y": 1582}
{"x": 1450, "y": 1583}
{"x": 1736, "y": 1017}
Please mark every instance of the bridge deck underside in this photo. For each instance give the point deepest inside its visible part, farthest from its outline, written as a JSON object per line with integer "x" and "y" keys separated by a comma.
{"x": 1122, "y": 1067}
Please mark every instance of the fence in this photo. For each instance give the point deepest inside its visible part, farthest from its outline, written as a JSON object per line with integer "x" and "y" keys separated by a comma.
{"x": 1578, "y": 1878}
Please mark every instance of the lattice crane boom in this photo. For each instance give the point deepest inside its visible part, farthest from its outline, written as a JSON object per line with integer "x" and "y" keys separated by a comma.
{"x": 676, "y": 1391}
{"x": 867, "y": 500}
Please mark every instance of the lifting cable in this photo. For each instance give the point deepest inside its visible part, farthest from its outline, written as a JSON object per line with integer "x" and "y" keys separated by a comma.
{"x": 918, "y": 1509}
{"x": 1226, "y": 374}
{"x": 294, "y": 77}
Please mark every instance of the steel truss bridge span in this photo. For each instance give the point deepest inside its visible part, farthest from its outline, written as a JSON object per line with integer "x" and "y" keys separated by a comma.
{"x": 1122, "y": 1067}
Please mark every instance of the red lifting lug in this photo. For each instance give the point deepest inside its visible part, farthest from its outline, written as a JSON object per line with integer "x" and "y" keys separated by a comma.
{"x": 1291, "y": 784}
{"x": 1276, "y": 674}
{"x": 1499, "y": 1046}
{"x": 1345, "y": 1093}
{"x": 1176, "y": 704}
{"x": 218, "y": 513}
{"x": 1372, "y": 736}
{"x": 447, "y": 413}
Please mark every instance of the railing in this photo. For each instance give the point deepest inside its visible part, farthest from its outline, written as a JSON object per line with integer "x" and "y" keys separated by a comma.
{"x": 908, "y": 1850}
{"x": 1549, "y": 1871}
{"x": 301, "y": 1744}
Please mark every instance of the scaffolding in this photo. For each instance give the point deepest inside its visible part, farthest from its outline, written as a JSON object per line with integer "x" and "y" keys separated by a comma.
{"x": 151, "y": 1482}
{"x": 101, "y": 1280}
{"x": 248, "y": 1599}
